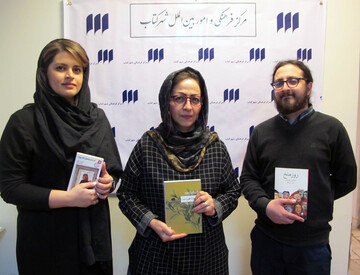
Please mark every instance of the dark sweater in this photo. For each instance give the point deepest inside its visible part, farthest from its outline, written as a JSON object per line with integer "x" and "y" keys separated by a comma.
{"x": 318, "y": 143}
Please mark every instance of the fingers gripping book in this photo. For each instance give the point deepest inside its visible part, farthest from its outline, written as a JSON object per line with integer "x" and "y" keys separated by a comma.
{"x": 86, "y": 168}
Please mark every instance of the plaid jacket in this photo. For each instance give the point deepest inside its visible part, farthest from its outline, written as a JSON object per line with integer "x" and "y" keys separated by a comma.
{"x": 141, "y": 199}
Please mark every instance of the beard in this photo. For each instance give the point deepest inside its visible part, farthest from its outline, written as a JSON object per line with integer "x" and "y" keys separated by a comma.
{"x": 285, "y": 107}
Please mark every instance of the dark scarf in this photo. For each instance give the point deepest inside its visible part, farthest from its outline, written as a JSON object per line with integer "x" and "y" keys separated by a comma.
{"x": 68, "y": 129}
{"x": 183, "y": 151}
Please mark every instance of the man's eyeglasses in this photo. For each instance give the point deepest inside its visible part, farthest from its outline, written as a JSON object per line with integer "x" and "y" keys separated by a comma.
{"x": 292, "y": 82}
{"x": 181, "y": 99}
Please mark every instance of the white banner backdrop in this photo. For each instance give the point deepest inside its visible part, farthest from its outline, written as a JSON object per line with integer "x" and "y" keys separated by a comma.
{"x": 134, "y": 45}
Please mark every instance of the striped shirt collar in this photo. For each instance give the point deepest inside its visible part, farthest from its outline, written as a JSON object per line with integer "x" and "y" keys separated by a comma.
{"x": 304, "y": 114}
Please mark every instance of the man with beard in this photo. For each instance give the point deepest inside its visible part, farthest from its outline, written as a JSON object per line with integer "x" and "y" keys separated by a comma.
{"x": 297, "y": 138}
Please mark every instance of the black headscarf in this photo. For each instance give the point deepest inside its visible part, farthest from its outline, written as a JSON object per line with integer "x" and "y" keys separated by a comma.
{"x": 184, "y": 151}
{"x": 68, "y": 129}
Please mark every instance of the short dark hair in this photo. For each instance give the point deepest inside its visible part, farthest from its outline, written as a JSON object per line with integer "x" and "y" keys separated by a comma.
{"x": 305, "y": 69}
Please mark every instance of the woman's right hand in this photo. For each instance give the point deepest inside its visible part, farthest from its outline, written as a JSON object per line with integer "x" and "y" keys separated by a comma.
{"x": 82, "y": 195}
{"x": 165, "y": 233}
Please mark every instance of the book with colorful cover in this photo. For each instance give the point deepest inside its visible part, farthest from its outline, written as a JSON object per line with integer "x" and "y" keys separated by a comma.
{"x": 179, "y": 202}
{"x": 86, "y": 168}
{"x": 292, "y": 183}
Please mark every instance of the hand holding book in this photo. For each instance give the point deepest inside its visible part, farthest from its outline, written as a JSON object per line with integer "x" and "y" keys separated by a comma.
{"x": 179, "y": 205}
{"x": 85, "y": 186}
{"x": 292, "y": 184}
{"x": 204, "y": 203}
{"x": 165, "y": 233}
{"x": 83, "y": 195}
{"x": 277, "y": 213}
{"x": 104, "y": 183}
{"x": 85, "y": 165}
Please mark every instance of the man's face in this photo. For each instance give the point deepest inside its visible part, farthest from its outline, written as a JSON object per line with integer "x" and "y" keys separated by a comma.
{"x": 291, "y": 100}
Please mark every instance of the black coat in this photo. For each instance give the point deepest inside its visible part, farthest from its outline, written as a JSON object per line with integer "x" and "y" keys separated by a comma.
{"x": 48, "y": 239}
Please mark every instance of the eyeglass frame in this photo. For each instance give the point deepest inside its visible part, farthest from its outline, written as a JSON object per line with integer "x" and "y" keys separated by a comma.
{"x": 287, "y": 83}
{"x": 186, "y": 99}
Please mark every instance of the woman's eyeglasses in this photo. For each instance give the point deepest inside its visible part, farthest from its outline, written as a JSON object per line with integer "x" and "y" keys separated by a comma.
{"x": 181, "y": 100}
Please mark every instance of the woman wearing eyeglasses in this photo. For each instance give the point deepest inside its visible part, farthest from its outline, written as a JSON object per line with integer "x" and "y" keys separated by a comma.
{"x": 180, "y": 148}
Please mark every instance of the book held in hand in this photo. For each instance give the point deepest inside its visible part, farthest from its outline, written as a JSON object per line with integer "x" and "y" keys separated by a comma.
{"x": 292, "y": 183}
{"x": 86, "y": 168}
{"x": 179, "y": 202}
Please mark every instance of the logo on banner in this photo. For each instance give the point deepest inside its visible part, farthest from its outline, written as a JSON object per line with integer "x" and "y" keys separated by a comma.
{"x": 206, "y": 54}
{"x": 113, "y": 131}
{"x": 257, "y": 54}
{"x": 288, "y": 21}
{"x": 251, "y": 129}
{"x": 96, "y": 23}
{"x": 231, "y": 94}
{"x": 155, "y": 55}
{"x": 106, "y": 55}
{"x": 211, "y": 128}
{"x": 130, "y": 96}
{"x": 304, "y": 54}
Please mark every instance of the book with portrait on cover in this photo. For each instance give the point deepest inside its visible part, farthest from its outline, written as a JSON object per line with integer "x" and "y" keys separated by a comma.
{"x": 292, "y": 183}
{"x": 179, "y": 202}
{"x": 86, "y": 168}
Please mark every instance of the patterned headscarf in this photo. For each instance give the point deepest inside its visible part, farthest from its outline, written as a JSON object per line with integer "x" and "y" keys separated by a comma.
{"x": 165, "y": 94}
{"x": 183, "y": 151}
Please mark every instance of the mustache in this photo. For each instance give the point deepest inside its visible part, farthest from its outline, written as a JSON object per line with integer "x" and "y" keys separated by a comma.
{"x": 287, "y": 93}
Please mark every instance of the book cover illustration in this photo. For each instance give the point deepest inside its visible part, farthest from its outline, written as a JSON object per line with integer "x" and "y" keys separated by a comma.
{"x": 86, "y": 168}
{"x": 179, "y": 202}
{"x": 292, "y": 183}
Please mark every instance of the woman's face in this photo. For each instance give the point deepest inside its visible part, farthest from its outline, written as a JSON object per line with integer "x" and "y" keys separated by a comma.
{"x": 185, "y": 115}
{"x": 65, "y": 75}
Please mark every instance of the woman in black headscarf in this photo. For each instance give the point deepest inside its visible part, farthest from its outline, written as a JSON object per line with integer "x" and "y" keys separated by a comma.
{"x": 181, "y": 148}
{"x": 59, "y": 231}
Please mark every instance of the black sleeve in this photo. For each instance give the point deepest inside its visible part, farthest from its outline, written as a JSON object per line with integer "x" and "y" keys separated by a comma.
{"x": 16, "y": 161}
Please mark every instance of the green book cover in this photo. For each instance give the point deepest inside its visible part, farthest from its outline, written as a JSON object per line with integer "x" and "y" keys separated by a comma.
{"x": 179, "y": 202}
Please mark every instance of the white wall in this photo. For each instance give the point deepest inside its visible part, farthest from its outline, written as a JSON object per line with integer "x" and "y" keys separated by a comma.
{"x": 356, "y": 193}
{"x": 340, "y": 97}
{"x": 26, "y": 26}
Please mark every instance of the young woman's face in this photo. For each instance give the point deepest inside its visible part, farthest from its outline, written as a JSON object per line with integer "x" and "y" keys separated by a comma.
{"x": 185, "y": 115}
{"x": 65, "y": 75}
